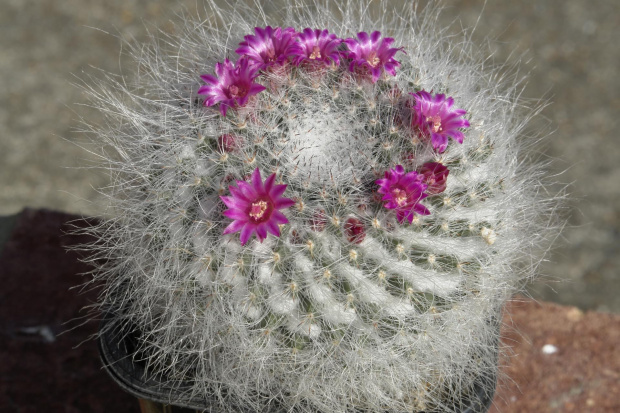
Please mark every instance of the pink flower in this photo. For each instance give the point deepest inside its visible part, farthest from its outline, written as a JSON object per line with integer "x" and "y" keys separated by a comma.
{"x": 435, "y": 176}
{"x": 268, "y": 47}
{"x": 317, "y": 47}
{"x": 371, "y": 54}
{"x": 436, "y": 119}
{"x": 403, "y": 191}
{"x": 234, "y": 86}
{"x": 254, "y": 207}
{"x": 355, "y": 231}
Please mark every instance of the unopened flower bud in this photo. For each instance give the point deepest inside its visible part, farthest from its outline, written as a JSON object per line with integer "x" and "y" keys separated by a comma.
{"x": 354, "y": 229}
{"x": 228, "y": 143}
{"x": 435, "y": 176}
{"x": 318, "y": 221}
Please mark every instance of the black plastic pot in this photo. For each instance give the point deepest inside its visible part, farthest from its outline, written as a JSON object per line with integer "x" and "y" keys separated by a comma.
{"x": 118, "y": 351}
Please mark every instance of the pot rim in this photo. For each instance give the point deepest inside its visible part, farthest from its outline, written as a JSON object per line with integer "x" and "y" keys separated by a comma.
{"x": 117, "y": 357}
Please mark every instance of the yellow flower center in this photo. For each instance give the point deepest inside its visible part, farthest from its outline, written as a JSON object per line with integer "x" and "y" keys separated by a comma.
{"x": 400, "y": 196}
{"x": 436, "y": 120}
{"x": 372, "y": 59}
{"x": 258, "y": 210}
{"x": 316, "y": 53}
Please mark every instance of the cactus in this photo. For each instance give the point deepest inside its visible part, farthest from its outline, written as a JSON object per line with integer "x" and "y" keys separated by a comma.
{"x": 316, "y": 226}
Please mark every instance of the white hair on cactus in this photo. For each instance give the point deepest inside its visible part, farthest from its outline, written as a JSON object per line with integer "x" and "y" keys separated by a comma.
{"x": 350, "y": 307}
{"x": 322, "y": 148}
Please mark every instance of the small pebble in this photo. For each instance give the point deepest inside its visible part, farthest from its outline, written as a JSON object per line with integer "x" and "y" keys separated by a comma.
{"x": 44, "y": 331}
{"x": 574, "y": 314}
{"x": 549, "y": 349}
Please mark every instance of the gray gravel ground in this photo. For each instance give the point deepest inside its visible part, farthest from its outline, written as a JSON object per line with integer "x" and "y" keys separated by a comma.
{"x": 570, "y": 47}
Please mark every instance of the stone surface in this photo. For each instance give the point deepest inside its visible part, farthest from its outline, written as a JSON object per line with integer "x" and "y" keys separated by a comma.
{"x": 568, "y": 47}
{"x": 561, "y": 359}
{"x": 49, "y": 362}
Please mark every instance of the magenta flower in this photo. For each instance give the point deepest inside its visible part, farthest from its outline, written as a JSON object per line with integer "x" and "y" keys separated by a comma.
{"x": 435, "y": 175}
{"x": 234, "y": 86}
{"x": 371, "y": 54}
{"x": 254, "y": 207}
{"x": 268, "y": 47}
{"x": 316, "y": 47}
{"x": 437, "y": 120}
{"x": 403, "y": 191}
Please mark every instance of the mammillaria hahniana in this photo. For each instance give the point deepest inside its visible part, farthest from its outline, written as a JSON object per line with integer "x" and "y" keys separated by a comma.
{"x": 328, "y": 223}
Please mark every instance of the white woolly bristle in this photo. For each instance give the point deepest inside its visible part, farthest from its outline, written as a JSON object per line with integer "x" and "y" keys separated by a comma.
{"x": 404, "y": 320}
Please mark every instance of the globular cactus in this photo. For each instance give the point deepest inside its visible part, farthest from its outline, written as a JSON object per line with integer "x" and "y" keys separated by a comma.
{"x": 331, "y": 222}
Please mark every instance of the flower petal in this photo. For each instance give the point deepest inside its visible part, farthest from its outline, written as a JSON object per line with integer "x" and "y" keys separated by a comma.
{"x": 235, "y": 214}
{"x": 209, "y": 79}
{"x": 269, "y": 184}
{"x": 240, "y": 199}
{"x": 421, "y": 209}
{"x": 282, "y": 203}
{"x": 257, "y": 181}
{"x": 273, "y": 228}
{"x": 363, "y": 38}
{"x": 261, "y": 231}
{"x": 223, "y": 108}
{"x": 230, "y": 202}
{"x": 246, "y": 233}
{"x": 255, "y": 88}
{"x": 277, "y": 190}
{"x": 233, "y": 227}
{"x": 279, "y": 218}
{"x": 249, "y": 191}
{"x": 376, "y": 73}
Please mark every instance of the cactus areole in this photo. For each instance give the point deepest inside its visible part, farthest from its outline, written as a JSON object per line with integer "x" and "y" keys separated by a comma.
{"x": 330, "y": 223}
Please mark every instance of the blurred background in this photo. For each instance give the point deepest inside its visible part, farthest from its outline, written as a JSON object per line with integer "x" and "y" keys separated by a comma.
{"x": 569, "y": 47}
